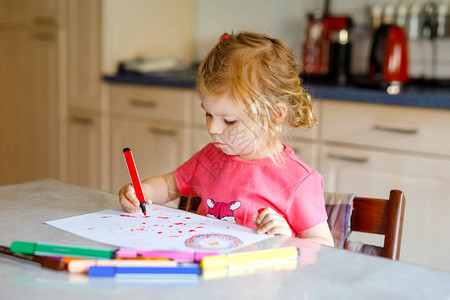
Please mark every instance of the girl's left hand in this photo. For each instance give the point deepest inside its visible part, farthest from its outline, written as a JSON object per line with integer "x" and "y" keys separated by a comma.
{"x": 270, "y": 222}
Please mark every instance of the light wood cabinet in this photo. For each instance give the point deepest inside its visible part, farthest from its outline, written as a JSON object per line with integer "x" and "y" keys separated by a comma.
{"x": 32, "y": 12}
{"x": 157, "y": 149}
{"x": 372, "y": 166}
{"x": 31, "y": 95}
{"x": 155, "y": 123}
{"x": 410, "y": 129}
{"x": 307, "y": 152}
{"x": 84, "y": 55}
{"x": 88, "y": 123}
{"x": 88, "y": 149}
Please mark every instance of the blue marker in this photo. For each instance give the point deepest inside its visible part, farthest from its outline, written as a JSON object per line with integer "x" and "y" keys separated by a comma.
{"x": 188, "y": 270}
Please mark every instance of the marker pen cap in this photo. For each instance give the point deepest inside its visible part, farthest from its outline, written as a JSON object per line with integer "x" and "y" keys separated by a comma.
{"x": 23, "y": 247}
{"x": 214, "y": 262}
{"x": 199, "y": 256}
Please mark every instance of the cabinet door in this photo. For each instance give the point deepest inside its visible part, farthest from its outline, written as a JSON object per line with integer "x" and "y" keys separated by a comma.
{"x": 307, "y": 152}
{"x": 31, "y": 12}
{"x": 16, "y": 113}
{"x": 157, "y": 149}
{"x": 29, "y": 106}
{"x": 15, "y": 12}
{"x": 424, "y": 182}
{"x": 84, "y": 27}
{"x": 201, "y": 138}
{"x": 45, "y": 101}
{"x": 85, "y": 150}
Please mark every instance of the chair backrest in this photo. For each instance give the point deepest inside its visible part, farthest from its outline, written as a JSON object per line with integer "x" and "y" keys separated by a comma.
{"x": 189, "y": 204}
{"x": 379, "y": 216}
{"x": 370, "y": 215}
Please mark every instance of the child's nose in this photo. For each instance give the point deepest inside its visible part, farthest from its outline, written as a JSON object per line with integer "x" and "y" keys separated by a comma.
{"x": 215, "y": 126}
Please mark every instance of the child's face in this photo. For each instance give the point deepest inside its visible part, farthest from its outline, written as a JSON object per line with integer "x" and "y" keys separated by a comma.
{"x": 228, "y": 126}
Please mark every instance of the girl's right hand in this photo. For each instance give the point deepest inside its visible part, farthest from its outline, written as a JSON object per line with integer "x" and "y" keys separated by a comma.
{"x": 128, "y": 199}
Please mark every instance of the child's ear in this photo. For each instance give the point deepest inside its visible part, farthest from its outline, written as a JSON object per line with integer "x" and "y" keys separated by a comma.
{"x": 281, "y": 111}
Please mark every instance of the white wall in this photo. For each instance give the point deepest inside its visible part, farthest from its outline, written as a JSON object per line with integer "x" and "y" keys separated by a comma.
{"x": 187, "y": 29}
{"x": 282, "y": 19}
{"x": 155, "y": 28}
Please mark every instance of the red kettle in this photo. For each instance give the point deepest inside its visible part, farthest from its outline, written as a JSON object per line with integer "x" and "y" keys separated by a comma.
{"x": 389, "y": 55}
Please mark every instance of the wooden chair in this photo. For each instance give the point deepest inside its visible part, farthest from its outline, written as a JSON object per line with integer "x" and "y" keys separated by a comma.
{"x": 189, "y": 204}
{"x": 370, "y": 215}
{"x": 381, "y": 216}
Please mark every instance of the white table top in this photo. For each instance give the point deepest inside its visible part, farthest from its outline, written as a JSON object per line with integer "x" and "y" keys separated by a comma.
{"x": 323, "y": 272}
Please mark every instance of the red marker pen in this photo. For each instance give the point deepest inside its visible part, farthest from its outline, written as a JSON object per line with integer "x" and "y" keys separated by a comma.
{"x": 135, "y": 178}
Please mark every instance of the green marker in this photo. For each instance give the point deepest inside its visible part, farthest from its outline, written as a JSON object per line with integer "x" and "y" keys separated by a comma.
{"x": 55, "y": 250}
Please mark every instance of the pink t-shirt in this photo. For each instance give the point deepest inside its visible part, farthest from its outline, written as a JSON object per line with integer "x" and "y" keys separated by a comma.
{"x": 233, "y": 189}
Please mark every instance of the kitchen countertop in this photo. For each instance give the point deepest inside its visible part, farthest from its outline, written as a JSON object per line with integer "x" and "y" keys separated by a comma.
{"x": 321, "y": 273}
{"x": 415, "y": 96}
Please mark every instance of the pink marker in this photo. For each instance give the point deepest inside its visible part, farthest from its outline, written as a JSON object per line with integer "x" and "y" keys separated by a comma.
{"x": 185, "y": 256}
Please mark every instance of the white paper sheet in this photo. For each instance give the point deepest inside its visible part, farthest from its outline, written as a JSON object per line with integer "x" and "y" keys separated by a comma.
{"x": 163, "y": 228}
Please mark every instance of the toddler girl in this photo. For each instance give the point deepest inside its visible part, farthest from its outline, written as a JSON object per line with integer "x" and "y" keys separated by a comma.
{"x": 250, "y": 91}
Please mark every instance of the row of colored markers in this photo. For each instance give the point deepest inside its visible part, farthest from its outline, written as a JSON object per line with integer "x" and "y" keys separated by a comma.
{"x": 132, "y": 263}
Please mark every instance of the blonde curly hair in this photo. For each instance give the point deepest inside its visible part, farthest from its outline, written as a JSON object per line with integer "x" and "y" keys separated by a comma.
{"x": 259, "y": 72}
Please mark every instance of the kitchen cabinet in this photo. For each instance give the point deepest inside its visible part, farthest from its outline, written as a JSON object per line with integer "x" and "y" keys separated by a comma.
{"x": 200, "y": 138}
{"x": 157, "y": 149}
{"x": 31, "y": 12}
{"x": 88, "y": 122}
{"x": 357, "y": 157}
{"x": 155, "y": 124}
{"x": 88, "y": 149}
{"x": 305, "y": 142}
{"x": 84, "y": 55}
{"x": 32, "y": 78}
{"x": 200, "y": 135}
{"x": 307, "y": 152}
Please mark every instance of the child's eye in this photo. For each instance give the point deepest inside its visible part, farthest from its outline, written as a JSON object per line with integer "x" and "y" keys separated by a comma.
{"x": 231, "y": 122}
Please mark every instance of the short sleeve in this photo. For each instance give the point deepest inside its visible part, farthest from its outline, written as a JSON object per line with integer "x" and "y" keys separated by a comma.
{"x": 307, "y": 205}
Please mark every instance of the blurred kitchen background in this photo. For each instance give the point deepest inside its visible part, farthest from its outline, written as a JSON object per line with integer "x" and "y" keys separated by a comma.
{"x": 82, "y": 79}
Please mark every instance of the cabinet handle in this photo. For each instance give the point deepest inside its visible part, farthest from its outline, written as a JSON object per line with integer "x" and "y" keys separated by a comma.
{"x": 349, "y": 158}
{"x": 161, "y": 131}
{"x": 44, "y": 21}
{"x": 400, "y": 130}
{"x": 82, "y": 120}
{"x": 43, "y": 36}
{"x": 143, "y": 103}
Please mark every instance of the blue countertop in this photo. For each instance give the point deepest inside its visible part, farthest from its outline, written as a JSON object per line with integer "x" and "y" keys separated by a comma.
{"x": 417, "y": 96}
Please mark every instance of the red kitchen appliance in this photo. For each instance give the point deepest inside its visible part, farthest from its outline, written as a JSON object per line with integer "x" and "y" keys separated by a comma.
{"x": 389, "y": 56}
{"x": 321, "y": 56}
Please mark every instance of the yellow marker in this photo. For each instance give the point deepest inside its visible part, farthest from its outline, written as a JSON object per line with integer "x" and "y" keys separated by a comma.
{"x": 248, "y": 258}
{"x": 275, "y": 266}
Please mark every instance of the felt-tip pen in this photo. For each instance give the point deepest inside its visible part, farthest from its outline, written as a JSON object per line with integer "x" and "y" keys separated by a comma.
{"x": 58, "y": 250}
{"x": 54, "y": 263}
{"x": 161, "y": 272}
{"x": 82, "y": 265}
{"x": 135, "y": 180}
{"x": 248, "y": 258}
{"x": 183, "y": 256}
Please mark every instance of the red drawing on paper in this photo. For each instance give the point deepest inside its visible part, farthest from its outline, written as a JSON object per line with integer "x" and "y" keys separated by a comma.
{"x": 165, "y": 228}
{"x": 128, "y": 216}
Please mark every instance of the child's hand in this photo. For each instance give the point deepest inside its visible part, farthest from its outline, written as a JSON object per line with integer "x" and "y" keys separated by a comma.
{"x": 268, "y": 221}
{"x": 128, "y": 199}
